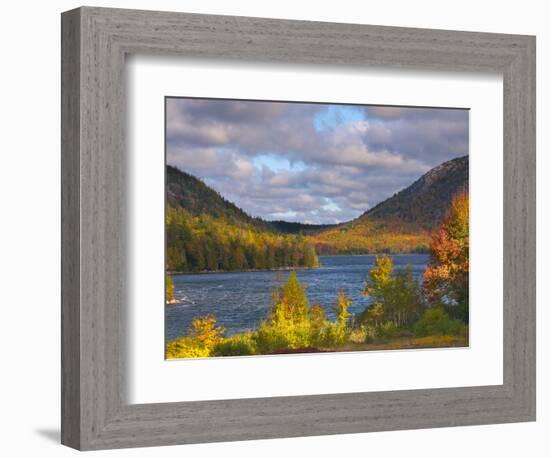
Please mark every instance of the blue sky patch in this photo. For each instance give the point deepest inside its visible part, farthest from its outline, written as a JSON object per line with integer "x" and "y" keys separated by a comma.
{"x": 333, "y": 116}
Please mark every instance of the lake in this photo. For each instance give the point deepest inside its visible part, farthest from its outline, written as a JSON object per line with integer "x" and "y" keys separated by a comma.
{"x": 240, "y": 300}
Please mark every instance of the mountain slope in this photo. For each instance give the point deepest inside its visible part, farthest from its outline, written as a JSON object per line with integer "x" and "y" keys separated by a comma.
{"x": 401, "y": 223}
{"x": 188, "y": 192}
{"x": 425, "y": 201}
{"x": 205, "y": 232}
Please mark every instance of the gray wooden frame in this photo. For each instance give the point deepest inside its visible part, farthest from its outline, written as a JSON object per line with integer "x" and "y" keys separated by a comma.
{"x": 95, "y": 413}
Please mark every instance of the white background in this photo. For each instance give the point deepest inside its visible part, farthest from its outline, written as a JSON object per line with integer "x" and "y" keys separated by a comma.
{"x": 150, "y": 79}
{"x": 29, "y": 233}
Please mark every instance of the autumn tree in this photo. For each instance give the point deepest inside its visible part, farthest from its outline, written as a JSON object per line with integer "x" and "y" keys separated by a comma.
{"x": 337, "y": 333}
{"x": 378, "y": 279}
{"x": 205, "y": 331}
{"x": 289, "y": 325}
{"x": 395, "y": 295}
{"x": 290, "y": 301}
{"x": 341, "y": 309}
{"x": 446, "y": 278}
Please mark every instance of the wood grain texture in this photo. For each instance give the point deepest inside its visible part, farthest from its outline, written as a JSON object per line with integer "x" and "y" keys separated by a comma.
{"x": 70, "y": 229}
{"x": 96, "y": 414}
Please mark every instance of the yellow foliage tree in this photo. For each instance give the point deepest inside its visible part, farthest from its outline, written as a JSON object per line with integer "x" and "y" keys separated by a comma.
{"x": 205, "y": 331}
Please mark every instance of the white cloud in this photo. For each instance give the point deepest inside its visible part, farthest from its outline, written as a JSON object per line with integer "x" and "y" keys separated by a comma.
{"x": 248, "y": 151}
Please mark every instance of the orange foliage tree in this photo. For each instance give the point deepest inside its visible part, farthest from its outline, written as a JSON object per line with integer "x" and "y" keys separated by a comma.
{"x": 446, "y": 278}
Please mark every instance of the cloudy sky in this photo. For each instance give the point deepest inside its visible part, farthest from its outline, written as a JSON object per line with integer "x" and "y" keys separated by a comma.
{"x": 314, "y": 163}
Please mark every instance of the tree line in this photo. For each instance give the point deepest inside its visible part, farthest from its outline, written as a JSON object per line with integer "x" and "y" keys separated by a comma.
{"x": 370, "y": 235}
{"x": 197, "y": 243}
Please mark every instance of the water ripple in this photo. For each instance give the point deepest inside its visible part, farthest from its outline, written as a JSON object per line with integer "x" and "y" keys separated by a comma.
{"x": 240, "y": 300}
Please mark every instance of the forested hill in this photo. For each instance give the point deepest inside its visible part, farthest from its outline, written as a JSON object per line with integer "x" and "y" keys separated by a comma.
{"x": 192, "y": 194}
{"x": 401, "y": 223}
{"x": 205, "y": 232}
{"x": 188, "y": 192}
{"x": 425, "y": 201}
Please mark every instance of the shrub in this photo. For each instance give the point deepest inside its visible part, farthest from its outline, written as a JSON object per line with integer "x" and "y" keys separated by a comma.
{"x": 283, "y": 335}
{"x": 370, "y": 332}
{"x": 386, "y": 331}
{"x": 203, "y": 335}
{"x": 291, "y": 323}
{"x": 205, "y": 331}
{"x": 337, "y": 333}
{"x": 317, "y": 323}
{"x": 269, "y": 339}
{"x": 237, "y": 345}
{"x": 186, "y": 347}
{"x": 334, "y": 335}
{"x": 359, "y": 335}
{"x": 436, "y": 322}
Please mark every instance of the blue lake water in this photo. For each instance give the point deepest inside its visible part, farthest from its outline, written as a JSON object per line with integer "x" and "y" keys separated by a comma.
{"x": 240, "y": 300}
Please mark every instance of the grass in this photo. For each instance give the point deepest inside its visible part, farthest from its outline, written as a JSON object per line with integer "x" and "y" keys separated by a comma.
{"x": 241, "y": 346}
{"x": 406, "y": 343}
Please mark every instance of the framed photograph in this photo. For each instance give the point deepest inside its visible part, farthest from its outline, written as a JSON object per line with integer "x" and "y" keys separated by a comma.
{"x": 281, "y": 237}
{"x": 277, "y": 228}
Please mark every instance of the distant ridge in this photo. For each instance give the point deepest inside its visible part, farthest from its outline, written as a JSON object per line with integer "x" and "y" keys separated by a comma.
{"x": 426, "y": 200}
{"x": 399, "y": 224}
{"x": 191, "y": 193}
{"x": 299, "y": 228}
{"x": 403, "y": 222}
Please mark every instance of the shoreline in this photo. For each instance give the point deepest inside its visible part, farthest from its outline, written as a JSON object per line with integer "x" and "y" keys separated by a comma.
{"x": 412, "y": 253}
{"x": 286, "y": 269}
{"x": 279, "y": 269}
